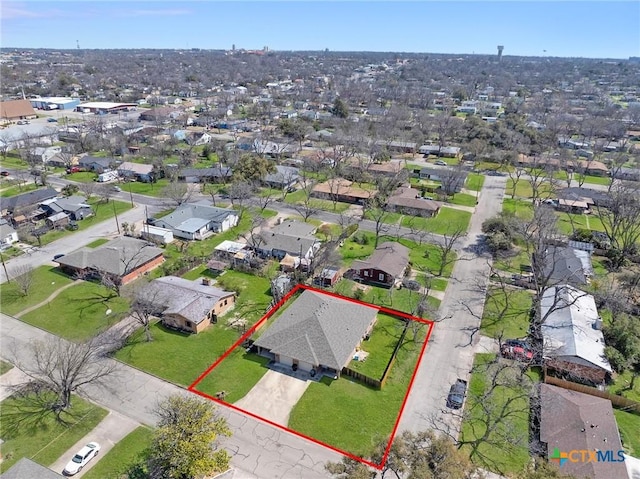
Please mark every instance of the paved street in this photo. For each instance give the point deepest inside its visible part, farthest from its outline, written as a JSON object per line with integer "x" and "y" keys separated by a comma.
{"x": 449, "y": 354}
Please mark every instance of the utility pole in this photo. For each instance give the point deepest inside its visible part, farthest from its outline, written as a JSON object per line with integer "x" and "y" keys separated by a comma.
{"x": 6, "y": 273}
{"x": 116, "y": 215}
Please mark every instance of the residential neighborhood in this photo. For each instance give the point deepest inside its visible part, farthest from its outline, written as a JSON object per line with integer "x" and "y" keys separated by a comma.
{"x": 320, "y": 255}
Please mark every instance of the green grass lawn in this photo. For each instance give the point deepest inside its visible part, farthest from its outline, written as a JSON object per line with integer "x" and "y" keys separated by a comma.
{"x": 474, "y": 182}
{"x": 5, "y": 367}
{"x": 509, "y": 456}
{"x": 148, "y": 189}
{"x": 298, "y": 197}
{"x": 596, "y": 180}
{"x": 463, "y": 199}
{"x": 82, "y": 176}
{"x": 447, "y": 221}
{"x": 590, "y": 222}
{"x": 254, "y": 294}
{"x": 103, "y": 212}
{"x": 519, "y": 208}
{"x": 79, "y": 312}
{"x": 98, "y": 242}
{"x": 124, "y": 455}
{"x": 235, "y": 375}
{"x": 629, "y": 425}
{"x": 506, "y": 314}
{"x": 351, "y": 416}
{"x": 18, "y": 190}
{"x": 512, "y": 264}
{"x": 11, "y": 252}
{"x": 183, "y": 356}
{"x": 621, "y": 385}
{"x": 380, "y": 345}
{"x": 524, "y": 189}
{"x": 40, "y": 437}
{"x": 46, "y": 280}
{"x": 13, "y": 163}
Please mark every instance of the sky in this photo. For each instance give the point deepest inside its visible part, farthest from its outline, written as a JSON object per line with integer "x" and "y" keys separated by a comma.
{"x": 578, "y": 28}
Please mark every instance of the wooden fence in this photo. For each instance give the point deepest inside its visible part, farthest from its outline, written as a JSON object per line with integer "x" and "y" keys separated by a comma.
{"x": 618, "y": 401}
{"x": 374, "y": 383}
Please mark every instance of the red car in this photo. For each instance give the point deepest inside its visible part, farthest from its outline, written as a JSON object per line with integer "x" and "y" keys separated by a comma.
{"x": 4, "y": 173}
{"x": 517, "y": 352}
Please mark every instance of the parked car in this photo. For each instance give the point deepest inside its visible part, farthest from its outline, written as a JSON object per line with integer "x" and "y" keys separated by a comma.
{"x": 457, "y": 393}
{"x": 74, "y": 169}
{"x": 82, "y": 457}
{"x": 23, "y": 122}
{"x": 117, "y": 188}
{"x": 52, "y": 120}
{"x": 4, "y": 173}
{"x": 55, "y": 257}
{"x": 441, "y": 163}
{"x": 517, "y": 349}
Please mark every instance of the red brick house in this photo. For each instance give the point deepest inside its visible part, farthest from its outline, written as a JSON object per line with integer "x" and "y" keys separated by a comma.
{"x": 385, "y": 267}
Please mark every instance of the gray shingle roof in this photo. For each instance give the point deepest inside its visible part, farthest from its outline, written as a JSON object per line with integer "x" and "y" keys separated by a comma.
{"x": 318, "y": 329}
{"x": 72, "y": 203}
{"x": 566, "y": 265}
{"x": 191, "y": 217}
{"x": 390, "y": 257}
{"x": 28, "y": 199}
{"x": 294, "y": 228}
{"x": 189, "y": 299}
{"x": 289, "y": 244}
{"x": 25, "y": 468}
{"x": 118, "y": 257}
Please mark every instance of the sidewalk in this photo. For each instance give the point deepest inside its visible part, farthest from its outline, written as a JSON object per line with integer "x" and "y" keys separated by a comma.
{"x": 10, "y": 379}
{"x": 110, "y": 430}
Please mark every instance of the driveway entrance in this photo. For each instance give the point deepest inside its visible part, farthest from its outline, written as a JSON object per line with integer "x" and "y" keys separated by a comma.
{"x": 274, "y": 396}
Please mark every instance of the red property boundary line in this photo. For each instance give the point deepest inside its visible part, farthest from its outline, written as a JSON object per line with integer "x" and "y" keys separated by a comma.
{"x": 271, "y": 312}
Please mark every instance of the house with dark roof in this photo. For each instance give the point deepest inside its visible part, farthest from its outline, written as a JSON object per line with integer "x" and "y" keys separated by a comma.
{"x": 318, "y": 332}
{"x": 385, "y": 267}
{"x": 93, "y": 163}
{"x": 452, "y": 180}
{"x": 409, "y": 201}
{"x": 573, "y": 343}
{"x": 75, "y": 207}
{"x": 24, "y": 203}
{"x": 284, "y": 178}
{"x": 445, "y": 151}
{"x": 216, "y": 174}
{"x": 196, "y": 221}
{"x": 138, "y": 171}
{"x": 574, "y": 421}
{"x": 123, "y": 259}
{"x": 26, "y": 468}
{"x": 564, "y": 264}
{"x": 291, "y": 242}
{"x": 188, "y": 305}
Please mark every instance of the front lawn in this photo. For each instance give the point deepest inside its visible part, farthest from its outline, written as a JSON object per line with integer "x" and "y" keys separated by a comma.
{"x": 597, "y": 180}
{"x": 507, "y": 402}
{"x": 353, "y": 417}
{"x": 27, "y": 432}
{"x": 5, "y": 367}
{"x": 253, "y": 295}
{"x": 98, "y": 242}
{"x": 506, "y": 314}
{"x": 79, "y": 312}
{"x": 298, "y": 197}
{"x": 513, "y": 264}
{"x": 474, "y": 182}
{"x": 629, "y": 425}
{"x": 235, "y": 375}
{"x": 567, "y": 222}
{"x": 13, "y": 162}
{"x": 18, "y": 190}
{"x": 462, "y": 199}
{"x": 519, "y": 208}
{"x": 148, "y": 189}
{"x": 447, "y": 221}
{"x": 125, "y": 455}
{"x": 82, "y": 176}
{"x": 46, "y": 280}
{"x": 11, "y": 252}
{"x": 176, "y": 356}
{"x": 621, "y": 383}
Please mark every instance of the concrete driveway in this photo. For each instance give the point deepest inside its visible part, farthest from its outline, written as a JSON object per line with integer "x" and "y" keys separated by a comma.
{"x": 110, "y": 430}
{"x": 274, "y": 396}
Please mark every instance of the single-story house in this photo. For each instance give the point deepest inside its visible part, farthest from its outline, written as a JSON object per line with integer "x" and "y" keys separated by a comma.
{"x": 318, "y": 332}
{"x": 289, "y": 238}
{"x": 215, "y": 174}
{"x": 43, "y": 154}
{"x": 26, "y": 468}
{"x": 156, "y": 234}
{"x": 284, "y": 178}
{"x": 274, "y": 149}
{"x": 16, "y": 110}
{"x": 591, "y": 197}
{"x": 76, "y": 207}
{"x": 24, "y": 202}
{"x": 572, "y": 334}
{"x": 627, "y": 174}
{"x": 230, "y": 252}
{"x": 8, "y": 235}
{"x": 452, "y": 180}
{"x": 409, "y": 201}
{"x": 92, "y": 163}
{"x": 564, "y": 264}
{"x": 398, "y": 146}
{"x": 124, "y": 259}
{"x": 571, "y": 420}
{"x": 342, "y": 190}
{"x": 446, "y": 151}
{"x": 385, "y": 267}
{"x": 575, "y": 206}
{"x": 57, "y": 220}
{"x": 188, "y": 305}
{"x": 139, "y": 171}
{"x": 196, "y": 221}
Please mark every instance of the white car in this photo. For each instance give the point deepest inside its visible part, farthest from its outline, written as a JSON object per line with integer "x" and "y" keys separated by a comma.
{"x": 82, "y": 457}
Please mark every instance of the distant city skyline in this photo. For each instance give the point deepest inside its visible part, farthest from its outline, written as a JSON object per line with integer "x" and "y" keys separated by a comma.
{"x": 588, "y": 29}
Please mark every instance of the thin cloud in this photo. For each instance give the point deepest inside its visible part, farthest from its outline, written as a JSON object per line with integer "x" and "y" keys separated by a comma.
{"x": 11, "y": 11}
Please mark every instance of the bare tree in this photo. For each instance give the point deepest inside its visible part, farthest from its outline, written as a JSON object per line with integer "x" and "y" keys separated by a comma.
{"x": 240, "y": 192}
{"x": 147, "y": 303}
{"x": 88, "y": 189}
{"x": 377, "y": 212}
{"x": 177, "y": 193}
{"x": 446, "y": 250}
{"x": 62, "y": 368}
{"x": 24, "y": 278}
{"x": 306, "y": 207}
{"x": 264, "y": 198}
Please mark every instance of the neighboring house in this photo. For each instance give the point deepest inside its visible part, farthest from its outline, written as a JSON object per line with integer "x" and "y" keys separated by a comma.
{"x": 8, "y": 235}
{"x": 274, "y": 149}
{"x": 76, "y": 207}
{"x": 327, "y": 277}
{"x": 564, "y": 264}
{"x": 573, "y": 343}
{"x": 196, "y": 221}
{"x": 16, "y": 110}
{"x": 139, "y": 171}
{"x": 591, "y": 197}
{"x": 342, "y": 190}
{"x": 229, "y": 252}
{"x": 452, "y": 180}
{"x": 385, "y": 267}
{"x": 43, "y": 154}
{"x": 201, "y": 138}
{"x": 398, "y": 146}
{"x": 187, "y": 305}
{"x": 123, "y": 259}
{"x": 571, "y": 420}
{"x": 23, "y": 203}
{"x": 317, "y": 333}
{"x": 26, "y": 468}
{"x": 627, "y": 174}
{"x": 284, "y": 178}
{"x": 216, "y": 174}
{"x": 390, "y": 168}
{"x": 446, "y": 151}
{"x": 409, "y": 201}
{"x": 290, "y": 238}
{"x": 57, "y": 220}
{"x": 577, "y": 206}
{"x": 92, "y": 163}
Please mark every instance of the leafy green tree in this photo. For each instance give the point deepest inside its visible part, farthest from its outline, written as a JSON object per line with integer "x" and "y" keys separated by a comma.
{"x": 541, "y": 469}
{"x": 184, "y": 445}
{"x": 340, "y": 108}
{"x": 252, "y": 168}
{"x": 622, "y": 337}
